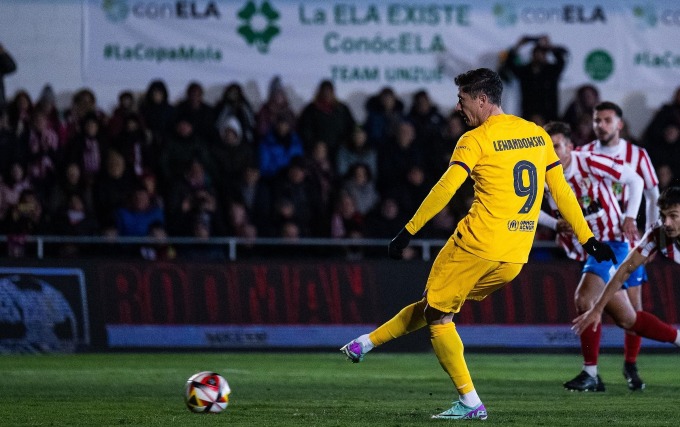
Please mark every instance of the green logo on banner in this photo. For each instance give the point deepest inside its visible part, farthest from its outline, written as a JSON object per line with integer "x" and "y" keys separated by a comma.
{"x": 505, "y": 14}
{"x": 599, "y": 65}
{"x": 259, "y": 24}
{"x": 645, "y": 16}
{"x": 115, "y": 10}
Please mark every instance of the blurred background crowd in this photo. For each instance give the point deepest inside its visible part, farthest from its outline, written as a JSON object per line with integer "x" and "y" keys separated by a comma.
{"x": 152, "y": 167}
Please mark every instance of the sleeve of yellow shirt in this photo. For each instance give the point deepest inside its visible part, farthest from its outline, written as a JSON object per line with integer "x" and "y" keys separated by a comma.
{"x": 438, "y": 197}
{"x": 567, "y": 204}
{"x": 464, "y": 158}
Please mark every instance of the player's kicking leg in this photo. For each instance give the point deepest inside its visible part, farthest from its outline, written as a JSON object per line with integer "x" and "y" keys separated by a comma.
{"x": 409, "y": 319}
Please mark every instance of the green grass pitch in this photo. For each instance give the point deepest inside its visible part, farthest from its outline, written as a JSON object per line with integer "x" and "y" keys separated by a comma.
{"x": 323, "y": 389}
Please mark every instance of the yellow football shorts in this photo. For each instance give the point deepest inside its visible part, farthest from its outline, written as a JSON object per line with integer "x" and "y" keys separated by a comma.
{"x": 458, "y": 275}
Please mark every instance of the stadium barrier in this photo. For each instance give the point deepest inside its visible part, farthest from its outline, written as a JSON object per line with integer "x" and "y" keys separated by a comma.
{"x": 233, "y": 246}
{"x": 104, "y": 303}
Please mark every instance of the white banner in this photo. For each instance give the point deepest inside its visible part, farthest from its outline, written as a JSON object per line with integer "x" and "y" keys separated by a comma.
{"x": 364, "y": 45}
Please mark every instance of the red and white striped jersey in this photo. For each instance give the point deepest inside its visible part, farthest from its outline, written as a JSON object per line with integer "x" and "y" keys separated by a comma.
{"x": 589, "y": 175}
{"x": 656, "y": 240}
{"x": 632, "y": 155}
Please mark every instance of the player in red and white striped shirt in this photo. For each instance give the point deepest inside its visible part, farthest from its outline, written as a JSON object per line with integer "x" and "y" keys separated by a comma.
{"x": 589, "y": 174}
{"x": 610, "y": 144}
{"x": 607, "y": 124}
{"x": 663, "y": 238}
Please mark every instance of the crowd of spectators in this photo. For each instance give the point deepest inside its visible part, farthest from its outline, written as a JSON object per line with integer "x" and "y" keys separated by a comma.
{"x": 152, "y": 167}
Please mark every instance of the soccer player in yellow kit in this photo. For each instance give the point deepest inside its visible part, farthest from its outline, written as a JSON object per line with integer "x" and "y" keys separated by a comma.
{"x": 509, "y": 160}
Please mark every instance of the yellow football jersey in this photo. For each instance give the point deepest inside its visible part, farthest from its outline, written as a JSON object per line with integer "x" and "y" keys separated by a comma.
{"x": 509, "y": 159}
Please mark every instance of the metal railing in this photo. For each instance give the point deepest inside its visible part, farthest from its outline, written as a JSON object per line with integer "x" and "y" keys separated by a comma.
{"x": 427, "y": 246}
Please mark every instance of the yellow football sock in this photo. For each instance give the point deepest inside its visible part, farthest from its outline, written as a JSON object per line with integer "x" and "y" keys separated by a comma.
{"x": 409, "y": 319}
{"x": 449, "y": 350}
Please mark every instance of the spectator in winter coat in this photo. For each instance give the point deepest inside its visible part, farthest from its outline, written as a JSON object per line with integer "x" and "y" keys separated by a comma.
{"x": 278, "y": 148}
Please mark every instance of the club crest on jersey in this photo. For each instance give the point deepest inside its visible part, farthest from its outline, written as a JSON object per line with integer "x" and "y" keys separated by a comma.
{"x": 617, "y": 188}
{"x": 585, "y": 184}
{"x": 586, "y": 201}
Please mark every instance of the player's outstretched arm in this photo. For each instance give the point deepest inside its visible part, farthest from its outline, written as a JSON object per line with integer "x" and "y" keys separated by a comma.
{"x": 438, "y": 197}
{"x": 567, "y": 204}
{"x": 593, "y": 317}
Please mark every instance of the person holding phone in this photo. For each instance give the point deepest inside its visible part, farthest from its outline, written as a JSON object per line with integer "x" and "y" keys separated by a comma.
{"x": 538, "y": 78}
{"x": 7, "y": 66}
